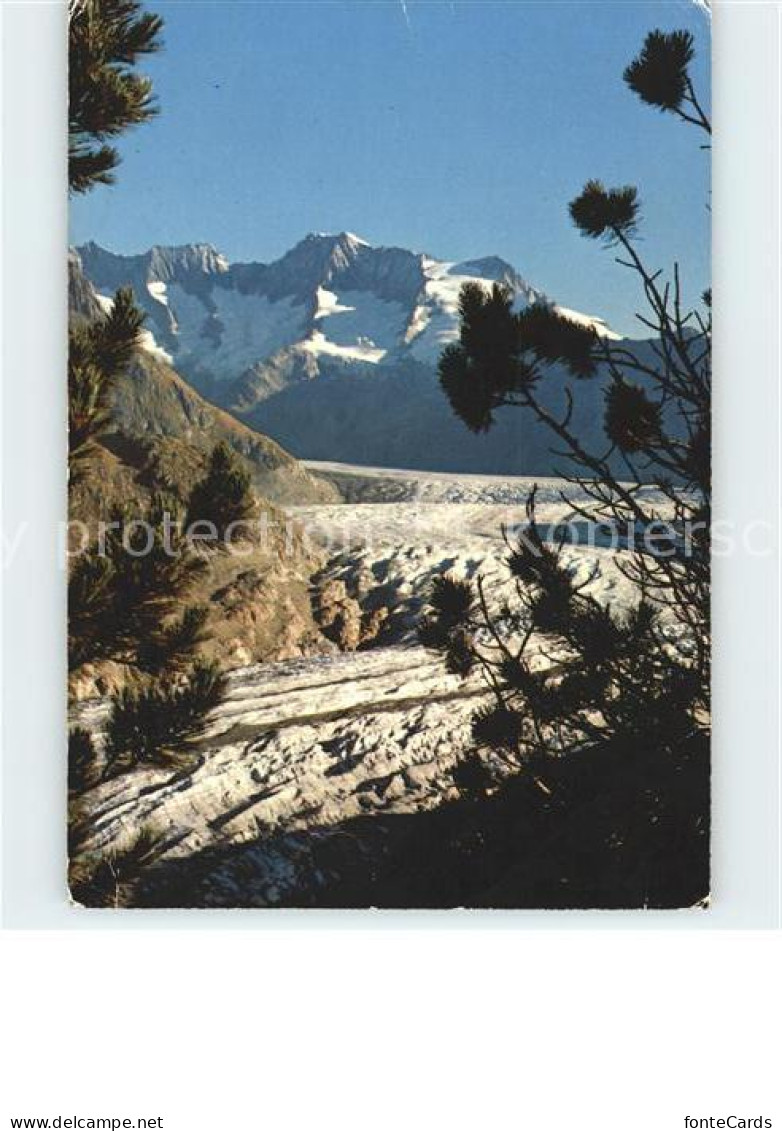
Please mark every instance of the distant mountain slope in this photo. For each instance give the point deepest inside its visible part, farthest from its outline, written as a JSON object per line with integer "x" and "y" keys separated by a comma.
{"x": 154, "y": 404}
{"x": 401, "y": 418}
{"x": 333, "y": 348}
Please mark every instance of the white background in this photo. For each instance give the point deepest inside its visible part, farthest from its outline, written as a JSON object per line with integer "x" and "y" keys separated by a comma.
{"x": 382, "y": 1021}
{"x": 359, "y": 1031}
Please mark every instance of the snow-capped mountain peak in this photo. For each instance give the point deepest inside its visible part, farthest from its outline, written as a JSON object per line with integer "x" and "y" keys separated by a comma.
{"x": 167, "y": 263}
{"x": 491, "y": 267}
{"x": 332, "y": 300}
{"x": 349, "y": 241}
{"x": 158, "y": 264}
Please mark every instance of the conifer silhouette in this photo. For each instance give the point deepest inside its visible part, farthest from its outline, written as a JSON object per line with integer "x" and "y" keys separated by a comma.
{"x": 635, "y": 683}
{"x": 161, "y": 718}
{"x": 106, "y": 95}
{"x": 660, "y": 77}
{"x": 82, "y": 760}
{"x": 127, "y": 593}
{"x": 224, "y": 496}
{"x": 99, "y": 352}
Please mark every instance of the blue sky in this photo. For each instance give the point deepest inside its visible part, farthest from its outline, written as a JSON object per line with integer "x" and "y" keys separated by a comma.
{"x": 461, "y": 129}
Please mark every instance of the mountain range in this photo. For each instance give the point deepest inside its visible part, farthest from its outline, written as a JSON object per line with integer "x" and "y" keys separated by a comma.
{"x": 332, "y": 349}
